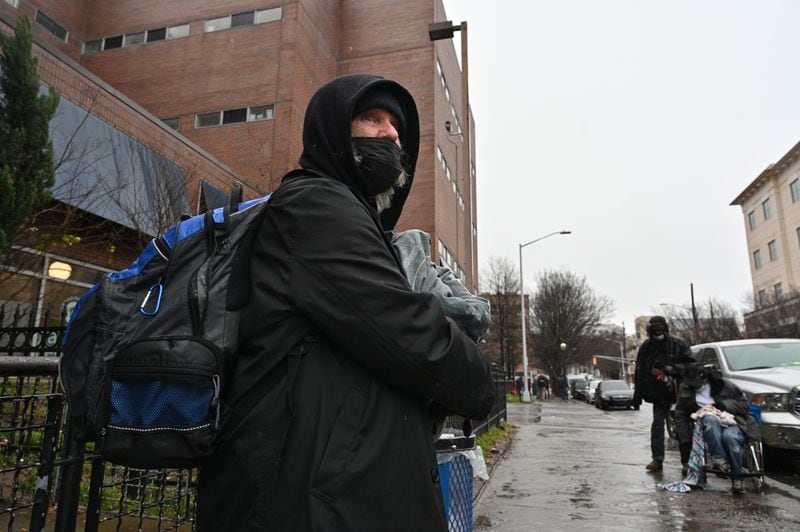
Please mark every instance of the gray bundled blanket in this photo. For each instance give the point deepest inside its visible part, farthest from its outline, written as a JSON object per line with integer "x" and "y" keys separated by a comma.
{"x": 470, "y": 312}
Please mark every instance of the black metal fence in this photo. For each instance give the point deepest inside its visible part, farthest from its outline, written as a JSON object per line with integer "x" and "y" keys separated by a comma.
{"x": 49, "y": 482}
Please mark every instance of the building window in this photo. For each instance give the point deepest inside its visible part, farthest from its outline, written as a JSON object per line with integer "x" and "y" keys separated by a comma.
{"x": 12, "y": 3}
{"x": 92, "y": 46}
{"x": 757, "y": 258}
{"x": 798, "y": 235}
{"x": 247, "y": 18}
{"x": 794, "y": 187}
{"x": 174, "y": 122}
{"x": 52, "y": 26}
{"x": 766, "y": 205}
{"x": 132, "y": 39}
{"x": 176, "y": 32}
{"x": 261, "y": 112}
{"x": 778, "y": 291}
{"x": 235, "y": 116}
{"x": 242, "y": 19}
{"x": 773, "y": 250}
{"x": 158, "y": 34}
{"x": 111, "y": 43}
{"x": 762, "y": 297}
{"x": 207, "y": 119}
{"x": 751, "y": 219}
{"x": 217, "y": 24}
{"x": 268, "y": 15}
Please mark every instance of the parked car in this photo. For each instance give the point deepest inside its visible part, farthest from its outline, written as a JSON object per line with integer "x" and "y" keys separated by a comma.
{"x": 579, "y": 389}
{"x": 613, "y": 393}
{"x": 768, "y": 372}
{"x": 590, "y": 391}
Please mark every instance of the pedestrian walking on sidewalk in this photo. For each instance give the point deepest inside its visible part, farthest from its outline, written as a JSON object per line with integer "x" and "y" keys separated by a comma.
{"x": 328, "y": 426}
{"x": 658, "y": 364}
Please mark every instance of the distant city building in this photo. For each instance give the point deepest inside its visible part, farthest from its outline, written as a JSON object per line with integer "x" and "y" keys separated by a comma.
{"x": 608, "y": 329}
{"x": 771, "y": 212}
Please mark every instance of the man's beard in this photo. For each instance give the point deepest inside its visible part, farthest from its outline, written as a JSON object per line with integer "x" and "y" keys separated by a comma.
{"x": 384, "y": 200}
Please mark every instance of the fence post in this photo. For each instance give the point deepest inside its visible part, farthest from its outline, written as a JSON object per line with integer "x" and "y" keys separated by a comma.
{"x": 69, "y": 485}
{"x": 44, "y": 473}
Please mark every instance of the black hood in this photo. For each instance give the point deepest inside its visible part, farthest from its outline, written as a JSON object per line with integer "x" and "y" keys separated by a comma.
{"x": 327, "y": 144}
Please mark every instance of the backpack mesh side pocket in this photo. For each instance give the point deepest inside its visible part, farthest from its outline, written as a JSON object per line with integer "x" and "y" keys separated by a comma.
{"x": 162, "y": 402}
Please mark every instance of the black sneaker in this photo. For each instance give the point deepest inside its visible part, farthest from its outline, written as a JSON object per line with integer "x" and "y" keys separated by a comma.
{"x": 737, "y": 485}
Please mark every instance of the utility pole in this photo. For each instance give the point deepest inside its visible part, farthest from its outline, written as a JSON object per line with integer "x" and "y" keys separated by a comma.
{"x": 694, "y": 315}
{"x": 622, "y": 350}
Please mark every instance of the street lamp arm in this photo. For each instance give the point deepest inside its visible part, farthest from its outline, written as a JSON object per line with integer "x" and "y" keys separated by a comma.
{"x": 545, "y": 236}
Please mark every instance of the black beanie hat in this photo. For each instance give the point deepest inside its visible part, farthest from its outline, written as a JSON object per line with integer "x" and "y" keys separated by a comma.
{"x": 382, "y": 97}
{"x": 657, "y": 325}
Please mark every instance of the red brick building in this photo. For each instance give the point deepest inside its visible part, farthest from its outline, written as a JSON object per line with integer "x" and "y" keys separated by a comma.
{"x": 230, "y": 81}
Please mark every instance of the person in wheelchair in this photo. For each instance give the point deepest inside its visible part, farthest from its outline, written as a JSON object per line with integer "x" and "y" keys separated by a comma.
{"x": 722, "y": 410}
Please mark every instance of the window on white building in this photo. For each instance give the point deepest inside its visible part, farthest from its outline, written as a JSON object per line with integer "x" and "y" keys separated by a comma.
{"x": 794, "y": 187}
{"x": 773, "y": 250}
{"x": 766, "y": 205}
{"x": 778, "y": 291}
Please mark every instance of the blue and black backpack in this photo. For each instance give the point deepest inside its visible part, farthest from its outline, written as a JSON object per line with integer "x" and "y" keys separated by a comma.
{"x": 148, "y": 348}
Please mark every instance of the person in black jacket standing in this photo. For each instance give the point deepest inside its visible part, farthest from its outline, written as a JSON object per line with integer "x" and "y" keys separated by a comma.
{"x": 658, "y": 363}
{"x": 328, "y": 414}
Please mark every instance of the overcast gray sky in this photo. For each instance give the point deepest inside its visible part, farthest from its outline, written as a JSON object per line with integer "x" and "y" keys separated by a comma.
{"x": 634, "y": 124}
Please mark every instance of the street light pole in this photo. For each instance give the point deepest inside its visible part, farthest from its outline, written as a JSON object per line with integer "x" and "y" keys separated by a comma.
{"x": 526, "y": 394}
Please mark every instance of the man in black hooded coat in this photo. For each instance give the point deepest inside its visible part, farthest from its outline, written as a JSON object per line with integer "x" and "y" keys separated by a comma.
{"x": 328, "y": 425}
{"x": 659, "y": 362}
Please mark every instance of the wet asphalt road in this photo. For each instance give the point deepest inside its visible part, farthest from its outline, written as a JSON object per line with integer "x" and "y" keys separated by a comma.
{"x": 573, "y": 467}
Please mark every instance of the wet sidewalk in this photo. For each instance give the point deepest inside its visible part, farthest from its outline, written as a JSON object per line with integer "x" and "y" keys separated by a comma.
{"x": 573, "y": 467}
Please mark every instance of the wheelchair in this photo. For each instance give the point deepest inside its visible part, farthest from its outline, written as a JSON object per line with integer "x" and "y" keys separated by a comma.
{"x": 752, "y": 462}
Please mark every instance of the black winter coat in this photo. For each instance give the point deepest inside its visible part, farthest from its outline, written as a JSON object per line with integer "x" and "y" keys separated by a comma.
{"x": 727, "y": 397}
{"x": 345, "y": 444}
{"x": 656, "y": 355}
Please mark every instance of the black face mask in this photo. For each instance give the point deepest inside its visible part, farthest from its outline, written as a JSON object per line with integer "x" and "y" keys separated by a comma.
{"x": 380, "y": 162}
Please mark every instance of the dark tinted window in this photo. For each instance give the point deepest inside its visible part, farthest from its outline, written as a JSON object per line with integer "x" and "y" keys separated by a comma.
{"x": 113, "y": 42}
{"x": 242, "y": 19}
{"x": 158, "y": 34}
{"x": 51, "y": 25}
{"x": 232, "y": 116}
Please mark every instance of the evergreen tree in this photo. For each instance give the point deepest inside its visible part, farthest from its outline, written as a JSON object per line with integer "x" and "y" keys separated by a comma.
{"x": 26, "y": 152}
